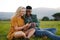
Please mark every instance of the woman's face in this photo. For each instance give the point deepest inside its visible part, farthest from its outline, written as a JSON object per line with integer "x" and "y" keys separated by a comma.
{"x": 22, "y": 12}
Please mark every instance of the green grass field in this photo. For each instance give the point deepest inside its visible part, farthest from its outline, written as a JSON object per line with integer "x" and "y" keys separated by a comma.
{"x": 5, "y": 25}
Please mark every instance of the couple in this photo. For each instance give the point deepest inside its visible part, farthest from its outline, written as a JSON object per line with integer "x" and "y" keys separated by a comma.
{"x": 27, "y": 25}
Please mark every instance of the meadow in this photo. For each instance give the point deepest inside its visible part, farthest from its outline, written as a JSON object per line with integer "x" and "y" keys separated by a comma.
{"x": 5, "y": 25}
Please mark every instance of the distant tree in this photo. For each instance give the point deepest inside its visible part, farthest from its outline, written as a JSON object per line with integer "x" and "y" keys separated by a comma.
{"x": 56, "y": 16}
{"x": 0, "y": 19}
{"x": 45, "y": 18}
{"x": 6, "y": 20}
{"x": 51, "y": 19}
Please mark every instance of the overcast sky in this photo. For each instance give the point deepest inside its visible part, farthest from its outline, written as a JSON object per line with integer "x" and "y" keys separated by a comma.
{"x": 12, "y": 5}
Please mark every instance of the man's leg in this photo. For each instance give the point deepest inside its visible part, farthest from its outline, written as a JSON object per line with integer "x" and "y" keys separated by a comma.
{"x": 53, "y": 30}
{"x": 48, "y": 34}
{"x": 38, "y": 33}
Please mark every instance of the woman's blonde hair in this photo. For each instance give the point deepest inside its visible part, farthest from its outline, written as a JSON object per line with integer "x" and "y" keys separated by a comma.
{"x": 18, "y": 10}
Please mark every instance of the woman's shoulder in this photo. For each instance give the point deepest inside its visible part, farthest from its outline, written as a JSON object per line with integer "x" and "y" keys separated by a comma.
{"x": 14, "y": 18}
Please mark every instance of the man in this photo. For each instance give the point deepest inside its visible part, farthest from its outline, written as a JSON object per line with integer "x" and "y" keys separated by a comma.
{"x": 30, "y": 18}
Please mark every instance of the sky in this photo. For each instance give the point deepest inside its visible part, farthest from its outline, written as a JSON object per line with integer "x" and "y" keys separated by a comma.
{"x": 12, "y": 5}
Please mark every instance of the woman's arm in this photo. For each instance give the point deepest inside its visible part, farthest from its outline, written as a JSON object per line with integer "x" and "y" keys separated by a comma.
{"x": 20, "y": 28}
{"x": 27, "y": 27}
{"x": 14, "y": 24}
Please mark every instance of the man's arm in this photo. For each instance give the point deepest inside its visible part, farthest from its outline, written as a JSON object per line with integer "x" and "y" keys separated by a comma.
{"x": 36, "y": 21}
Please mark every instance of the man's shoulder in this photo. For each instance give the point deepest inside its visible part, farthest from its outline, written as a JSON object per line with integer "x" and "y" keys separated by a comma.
{"x": 31, "y": 15}
{"x": 34, "y": 15}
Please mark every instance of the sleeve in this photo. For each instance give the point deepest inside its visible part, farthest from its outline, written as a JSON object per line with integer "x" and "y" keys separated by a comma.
{"x": 14, "y": 22}
{"x": 36, "y": 21}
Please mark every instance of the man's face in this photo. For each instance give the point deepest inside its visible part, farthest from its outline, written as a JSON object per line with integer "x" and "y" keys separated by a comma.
{"x": 28, "y": 11}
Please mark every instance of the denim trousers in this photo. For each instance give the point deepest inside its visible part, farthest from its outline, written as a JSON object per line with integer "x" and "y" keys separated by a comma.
{"x": 49, "y": 32}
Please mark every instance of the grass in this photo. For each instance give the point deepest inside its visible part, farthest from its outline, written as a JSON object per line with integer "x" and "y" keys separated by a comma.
{"x": 5, "y": 25}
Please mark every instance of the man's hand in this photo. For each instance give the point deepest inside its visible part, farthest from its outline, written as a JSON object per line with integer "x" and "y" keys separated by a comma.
{"x": 33, "y": 24}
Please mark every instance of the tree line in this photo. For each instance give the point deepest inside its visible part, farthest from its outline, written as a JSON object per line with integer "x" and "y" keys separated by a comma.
{"x": 45, "y": 18}
{"x": 56, "y": 17}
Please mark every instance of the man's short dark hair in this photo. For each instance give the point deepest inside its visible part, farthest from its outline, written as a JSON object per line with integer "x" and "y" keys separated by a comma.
{"x": 28, "y": 7}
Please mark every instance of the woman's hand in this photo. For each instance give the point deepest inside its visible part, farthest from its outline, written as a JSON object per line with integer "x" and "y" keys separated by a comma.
{"x": 23, "y": 27}
{"x": 27, "y": 26}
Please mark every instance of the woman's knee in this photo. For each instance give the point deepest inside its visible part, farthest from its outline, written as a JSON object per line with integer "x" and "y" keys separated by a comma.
{"x": 32, "y": 29}
{"x": 19, "y": 34}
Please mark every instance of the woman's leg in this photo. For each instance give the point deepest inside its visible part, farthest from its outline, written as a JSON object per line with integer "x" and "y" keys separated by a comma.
{"x": 30, "y": 32}
{"x": 19, "y": 34}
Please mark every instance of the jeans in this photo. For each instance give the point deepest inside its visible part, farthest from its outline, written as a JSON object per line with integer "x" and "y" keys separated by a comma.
{"x": 49, "y": 32}
{"x": 53, "y": 30}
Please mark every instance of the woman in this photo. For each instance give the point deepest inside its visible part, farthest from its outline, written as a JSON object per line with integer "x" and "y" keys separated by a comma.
{"x": 18, "y": 27}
